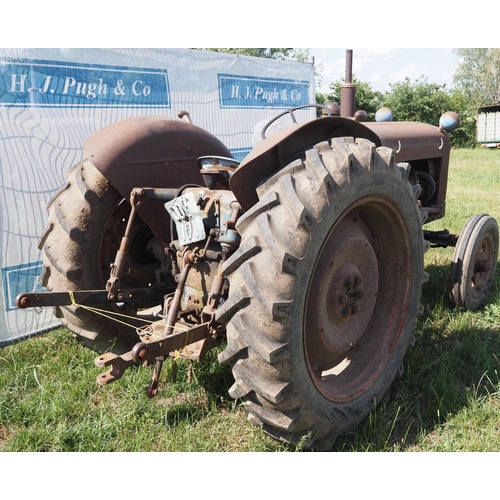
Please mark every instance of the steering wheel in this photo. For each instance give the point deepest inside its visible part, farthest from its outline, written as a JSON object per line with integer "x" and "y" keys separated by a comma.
{"x": 290, "y": 112}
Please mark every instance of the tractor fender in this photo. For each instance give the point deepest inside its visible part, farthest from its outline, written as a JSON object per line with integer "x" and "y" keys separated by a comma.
{"x": 410, "y": 142}
{"x": 284, "y": 146}
{"x": 151, "y": 151}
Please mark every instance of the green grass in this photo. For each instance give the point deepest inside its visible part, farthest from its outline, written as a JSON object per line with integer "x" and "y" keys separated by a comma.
{"x": 447, "y": 400}
{"x": 50, "y": 402}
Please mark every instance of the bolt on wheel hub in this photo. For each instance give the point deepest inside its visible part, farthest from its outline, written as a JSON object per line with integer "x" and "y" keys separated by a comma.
{"x": 362, "y": 270}
{"x": 344, "y": 291}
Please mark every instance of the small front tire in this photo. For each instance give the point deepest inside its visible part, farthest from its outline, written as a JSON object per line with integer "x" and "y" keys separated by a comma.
{"x": 474, "y": 262}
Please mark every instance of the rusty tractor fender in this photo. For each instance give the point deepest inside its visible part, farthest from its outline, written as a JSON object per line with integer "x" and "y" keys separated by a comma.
{"x": 425, "y": 145}
{"x": 284, "y": 146}
{"x": 154, "y": 152}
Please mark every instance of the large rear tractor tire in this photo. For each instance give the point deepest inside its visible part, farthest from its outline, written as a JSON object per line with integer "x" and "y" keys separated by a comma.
{"x": 87, "y": 219}
{"x": 324, "y": 291}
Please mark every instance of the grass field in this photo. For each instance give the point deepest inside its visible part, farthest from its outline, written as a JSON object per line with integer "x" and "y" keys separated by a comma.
{"x": 447, "y": 400}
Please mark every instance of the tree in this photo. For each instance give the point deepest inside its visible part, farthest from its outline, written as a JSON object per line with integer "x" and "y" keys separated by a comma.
{"x": 267, "y": 53}
{"x": 478, "y": 75}
{"x": 425, "y": 102}
{"x": 367, "y": 99}
{"x": 465, "y": 135}
{"x": 417, "y": 101}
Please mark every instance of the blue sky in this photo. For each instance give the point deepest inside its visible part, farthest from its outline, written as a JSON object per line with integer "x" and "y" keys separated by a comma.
{"x": 380, "y": 66}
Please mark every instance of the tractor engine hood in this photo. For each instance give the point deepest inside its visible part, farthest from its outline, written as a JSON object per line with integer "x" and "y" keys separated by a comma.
{"x": 412, "y": 140}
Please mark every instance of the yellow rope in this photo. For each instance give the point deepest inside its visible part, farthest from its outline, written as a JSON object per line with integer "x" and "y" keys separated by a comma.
{"x": 192, "y": 371}
{"x": 106, "y": 314}
{"x": 177, "y": 351}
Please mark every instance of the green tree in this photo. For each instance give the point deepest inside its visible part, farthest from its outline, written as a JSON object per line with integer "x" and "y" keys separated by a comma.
{"x": 478, "y": 75}
{"x": 417, "y": 101}
{"x": 367, "y": 99}
{"x": 465, "y": 135}
{"x": 284, "y": 54}
{"x": 425, "y": 102}
{"x": 321, "y": 98}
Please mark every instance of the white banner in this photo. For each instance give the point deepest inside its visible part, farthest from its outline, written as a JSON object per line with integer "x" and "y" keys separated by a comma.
{"x": 52, "y": 100}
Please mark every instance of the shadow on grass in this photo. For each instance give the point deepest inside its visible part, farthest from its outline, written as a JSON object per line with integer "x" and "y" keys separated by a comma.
{"x": 186, "y": 401}
{"x": 454, "y": 362}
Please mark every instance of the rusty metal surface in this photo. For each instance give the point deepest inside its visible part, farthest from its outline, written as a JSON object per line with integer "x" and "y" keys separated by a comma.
{"x": 154, "y": 343}
{"x": 128, "y": 249}
{"x": 412, "y": 140}
{"x": 117, "y": 364}
{"x": 352, "y": 326}
{"x": 152, "y": 346}
{"x": 348, "y": 90}
{"x": 139, "y": 264}
{"x": 483, "y": 266}
{"x": 334, "y": 108}
{"x": 347, "y": 100}
{"x": 285, "y": 145}
{"x": 151, "y": 151}
{"x": 423, "y": 146}
{"x": 89, "y": 297}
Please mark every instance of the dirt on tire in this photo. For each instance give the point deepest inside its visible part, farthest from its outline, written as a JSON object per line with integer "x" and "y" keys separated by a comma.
{"x": 86, "y": 220}
{"x": 324, "y": 291}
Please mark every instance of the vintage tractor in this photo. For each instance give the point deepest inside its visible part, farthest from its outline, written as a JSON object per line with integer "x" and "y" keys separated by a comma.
{"x": 306, "y": 259}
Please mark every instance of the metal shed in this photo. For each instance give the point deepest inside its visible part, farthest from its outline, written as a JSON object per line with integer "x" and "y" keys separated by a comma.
{"x": 488, "y": 126}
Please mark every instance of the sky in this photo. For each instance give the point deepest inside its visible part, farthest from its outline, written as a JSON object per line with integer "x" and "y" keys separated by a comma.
{"x": 380, "y": 66}
{"x": 416, "y": 29}
{"x": 225, "y": 23}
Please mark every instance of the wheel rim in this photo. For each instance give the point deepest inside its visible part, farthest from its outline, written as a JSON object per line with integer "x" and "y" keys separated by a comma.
{"x": 357, "y": 299}
{"x": 482, "y": 264}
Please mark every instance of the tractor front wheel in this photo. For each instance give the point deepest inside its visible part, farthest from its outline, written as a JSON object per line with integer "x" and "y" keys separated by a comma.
{"x": 474, "y": 262}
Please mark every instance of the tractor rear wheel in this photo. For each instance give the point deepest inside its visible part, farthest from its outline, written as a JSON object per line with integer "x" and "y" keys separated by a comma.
{"x": 87, "y": 219}
{"x": 324, "y": 291}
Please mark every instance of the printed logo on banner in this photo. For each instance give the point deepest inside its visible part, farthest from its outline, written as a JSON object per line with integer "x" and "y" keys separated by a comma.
{"x": 18, "y": 279}
{"x": 252, "y": 92}
{"x": 55, "y": 84}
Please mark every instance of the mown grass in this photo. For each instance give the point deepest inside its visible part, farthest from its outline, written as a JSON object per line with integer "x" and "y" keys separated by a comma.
{"x": 50, "y": 402}
{"x": 447, "y": 400}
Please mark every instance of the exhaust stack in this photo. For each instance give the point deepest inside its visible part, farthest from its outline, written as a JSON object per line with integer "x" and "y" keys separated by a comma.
{"x": 348, "y": 90}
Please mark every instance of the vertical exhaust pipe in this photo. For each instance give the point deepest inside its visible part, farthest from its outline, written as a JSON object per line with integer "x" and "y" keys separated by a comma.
{"x": 348, "y": 90}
